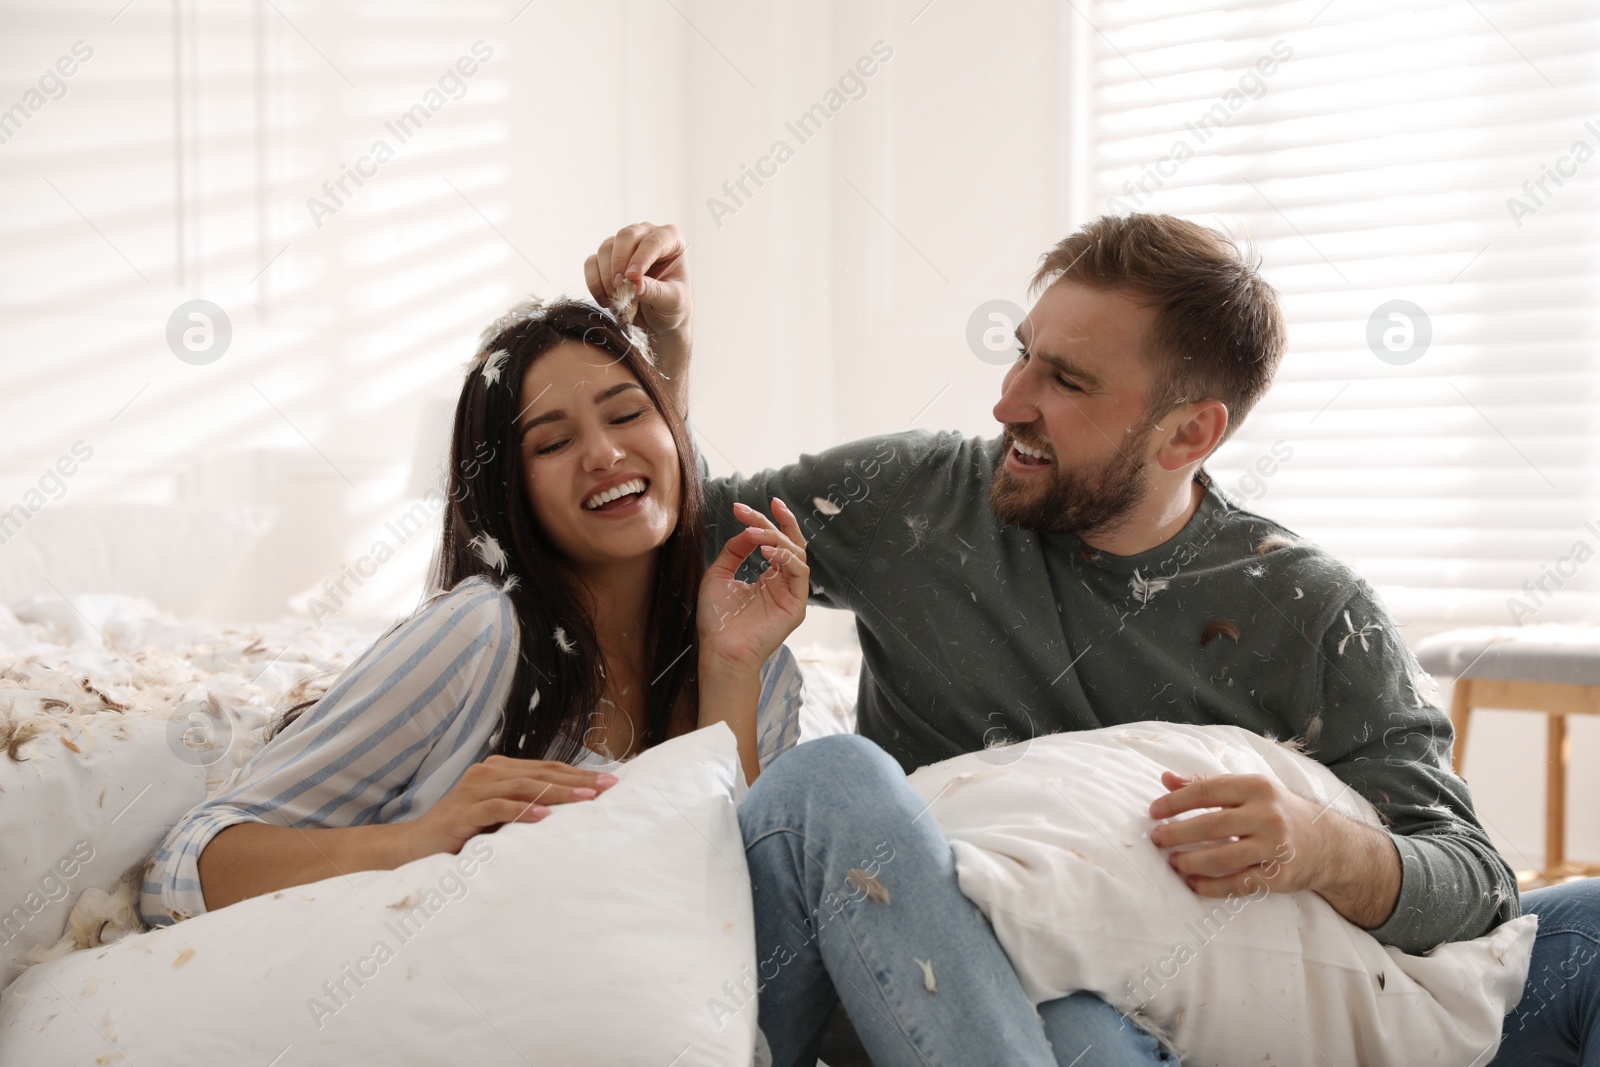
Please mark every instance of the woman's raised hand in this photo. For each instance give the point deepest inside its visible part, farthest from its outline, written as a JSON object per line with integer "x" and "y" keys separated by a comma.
{"x": 742, "y": 623}
{"x": 499, "y": 790}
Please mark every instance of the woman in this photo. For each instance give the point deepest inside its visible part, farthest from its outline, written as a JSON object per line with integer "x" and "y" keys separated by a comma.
{"x": 580, "y": 625}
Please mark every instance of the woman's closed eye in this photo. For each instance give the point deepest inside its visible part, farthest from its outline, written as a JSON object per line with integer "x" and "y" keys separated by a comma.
{"x": 619, "y": 420}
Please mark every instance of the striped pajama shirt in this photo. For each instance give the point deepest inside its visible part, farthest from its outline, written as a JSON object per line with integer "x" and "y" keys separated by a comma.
{"x": 394, "y": 734}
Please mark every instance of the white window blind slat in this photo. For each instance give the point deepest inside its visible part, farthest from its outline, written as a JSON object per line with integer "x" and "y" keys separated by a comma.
{"x": 1375, "y": 163}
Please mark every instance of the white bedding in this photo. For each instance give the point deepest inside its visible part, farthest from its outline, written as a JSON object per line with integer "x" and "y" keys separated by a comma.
{"x": 115, "y": 719}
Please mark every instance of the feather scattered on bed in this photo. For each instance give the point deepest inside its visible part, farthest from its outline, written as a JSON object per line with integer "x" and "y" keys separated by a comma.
{"x": 98, "y": 918}
{"x": 78, "y": 692}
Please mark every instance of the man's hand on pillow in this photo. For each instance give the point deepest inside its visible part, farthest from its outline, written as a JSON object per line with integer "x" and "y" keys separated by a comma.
{"x": 1263, "y": 835}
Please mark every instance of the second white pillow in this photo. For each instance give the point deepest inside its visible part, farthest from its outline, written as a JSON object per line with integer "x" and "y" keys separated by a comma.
{"x": 1052, "y": 842}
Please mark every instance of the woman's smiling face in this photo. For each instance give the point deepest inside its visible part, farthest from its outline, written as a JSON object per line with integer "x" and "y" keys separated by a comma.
{"x": 598, "y": 457}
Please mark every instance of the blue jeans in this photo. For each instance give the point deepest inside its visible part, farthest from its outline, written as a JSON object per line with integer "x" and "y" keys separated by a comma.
{"x": 1555, "y": 1023}
{"x": 856, "y": 900}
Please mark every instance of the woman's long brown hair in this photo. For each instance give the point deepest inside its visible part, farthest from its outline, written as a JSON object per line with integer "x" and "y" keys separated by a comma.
{"x": 554, "y": 691}
{"x": 559, "y": 676}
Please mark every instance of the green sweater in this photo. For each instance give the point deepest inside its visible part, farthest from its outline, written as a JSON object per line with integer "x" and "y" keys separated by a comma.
{"x": 975, "y": 633}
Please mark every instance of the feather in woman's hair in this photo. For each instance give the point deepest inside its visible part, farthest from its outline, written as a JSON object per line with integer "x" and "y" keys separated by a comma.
{"x": 489, "y": 551}
{"x": 520, "y": 312}
{"x": 493, "y": 365}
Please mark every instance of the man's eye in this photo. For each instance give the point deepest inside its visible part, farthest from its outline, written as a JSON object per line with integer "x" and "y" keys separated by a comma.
{"x": 1068, "y": 385}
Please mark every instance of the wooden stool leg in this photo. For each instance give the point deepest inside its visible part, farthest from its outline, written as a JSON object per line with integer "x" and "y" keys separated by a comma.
{"x": 1555, "y": 806}
{"x": 1460, "y": 715}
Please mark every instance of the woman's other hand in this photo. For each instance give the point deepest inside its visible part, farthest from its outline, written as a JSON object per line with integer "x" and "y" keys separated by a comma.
{"x": 499, "y": 790}
{"x": 742, "y": 623}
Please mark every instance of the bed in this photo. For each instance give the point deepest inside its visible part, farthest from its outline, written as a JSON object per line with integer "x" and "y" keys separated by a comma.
{"x": 117, "y": 716}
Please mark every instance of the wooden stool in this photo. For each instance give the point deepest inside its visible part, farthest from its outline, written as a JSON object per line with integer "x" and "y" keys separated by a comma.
{"x": 1553, "y": 669}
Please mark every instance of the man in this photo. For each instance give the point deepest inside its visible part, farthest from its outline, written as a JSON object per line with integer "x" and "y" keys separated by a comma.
{"x": 1081, "y": 571}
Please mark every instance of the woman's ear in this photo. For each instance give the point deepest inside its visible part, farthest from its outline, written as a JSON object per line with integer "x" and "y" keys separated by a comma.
{"x": 1192, "y": 432}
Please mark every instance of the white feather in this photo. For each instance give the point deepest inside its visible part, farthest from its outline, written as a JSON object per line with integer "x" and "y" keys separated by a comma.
{"x": 1145, "y": 588}
{"x": 826, "y": 506}
{"x": 489, "y": 551}
{"x": 519, "y": 313}
{"x": 1357, "y": 635}
{"x": 927, "y": 975}
{"x": 625, "y": 302}
{"x": 493, "y": 365}
{"x": 641, "y": 340}
{"x": 565, "y": 643}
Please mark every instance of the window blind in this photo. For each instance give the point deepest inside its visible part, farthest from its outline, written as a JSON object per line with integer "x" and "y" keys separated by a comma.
{"x": 332, "y": 177}
{"x": 1422, "y": 180}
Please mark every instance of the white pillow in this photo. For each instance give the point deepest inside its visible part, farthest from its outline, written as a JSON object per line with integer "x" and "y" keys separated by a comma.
{"x": 608, "y": 933}
{"x": 90, "y": 798}
{"x": 1051, "y": 839}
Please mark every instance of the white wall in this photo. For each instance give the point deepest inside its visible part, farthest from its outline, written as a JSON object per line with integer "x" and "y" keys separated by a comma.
{"x": 179, "y": 164}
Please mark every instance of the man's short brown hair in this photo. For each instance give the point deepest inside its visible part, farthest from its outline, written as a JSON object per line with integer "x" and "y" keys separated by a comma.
{"x": 1219, "y": 333}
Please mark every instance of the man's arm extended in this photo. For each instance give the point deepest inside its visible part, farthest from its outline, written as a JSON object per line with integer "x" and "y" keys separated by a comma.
{"x": 837, "y": 495}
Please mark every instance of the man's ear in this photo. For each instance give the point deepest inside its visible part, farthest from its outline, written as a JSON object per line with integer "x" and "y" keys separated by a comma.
{"x": 1190, "y": 433}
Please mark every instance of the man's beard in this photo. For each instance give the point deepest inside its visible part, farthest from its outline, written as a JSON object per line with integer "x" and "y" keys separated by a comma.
{"x": 1061, "y": 501}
